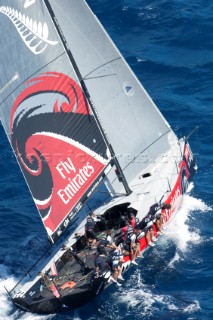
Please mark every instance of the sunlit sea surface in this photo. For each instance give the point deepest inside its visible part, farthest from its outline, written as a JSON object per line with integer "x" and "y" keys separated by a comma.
{"x": 169, "y": 45}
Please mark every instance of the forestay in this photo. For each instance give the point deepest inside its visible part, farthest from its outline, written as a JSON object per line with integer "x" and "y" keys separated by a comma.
{"x": 134, "y": 126}
{"x": 46, "y": 116}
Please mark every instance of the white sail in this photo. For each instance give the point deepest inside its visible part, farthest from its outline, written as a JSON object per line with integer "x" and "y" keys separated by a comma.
{"x": 134, "y": 126}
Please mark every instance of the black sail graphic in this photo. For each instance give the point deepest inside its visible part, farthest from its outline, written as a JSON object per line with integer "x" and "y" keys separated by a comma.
{"x": 46, "y": 116}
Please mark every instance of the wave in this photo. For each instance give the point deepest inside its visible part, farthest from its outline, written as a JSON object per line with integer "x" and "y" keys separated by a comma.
{"x": 180, "y": 229}
{"x": 145, "y": 290}
{"x": 8, "y": 311}
{"x": 150, "y": 304}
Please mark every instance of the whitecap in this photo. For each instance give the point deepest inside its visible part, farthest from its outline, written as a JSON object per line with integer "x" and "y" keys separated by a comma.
{"x": 192, "y": 307}
{"x": 143, "y": 297}
{"x": 180, "y": 227}
{"x": 6, "y": 304}
{"x": 175, "y": 259}
{"x": 8, "y": 310}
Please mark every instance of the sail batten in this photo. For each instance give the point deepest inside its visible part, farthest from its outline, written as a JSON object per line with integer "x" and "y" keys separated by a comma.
{"x": 143, "y": 151}
{"x": 105, "y": 64}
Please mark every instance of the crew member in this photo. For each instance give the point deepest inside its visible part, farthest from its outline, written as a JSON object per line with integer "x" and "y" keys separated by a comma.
{"x": 132, "y": 220}
{"x": 146, "y": 225}
{"x": 89, "y": 230}
{"x": 116, "y": 260}
{"x": 131, "y": 246}
{"x": 107, "y": 241}
{"x": 122, "y": 234}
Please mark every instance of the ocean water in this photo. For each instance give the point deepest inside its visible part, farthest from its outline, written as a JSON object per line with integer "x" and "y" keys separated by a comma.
{"x": 169, "y": 45}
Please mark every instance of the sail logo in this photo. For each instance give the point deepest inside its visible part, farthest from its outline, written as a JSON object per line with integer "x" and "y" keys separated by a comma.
{"x": 28, "y": 3}
{"x": 79, "y": 178}
{"x": 58, "y": 145}
{"x": 34, "y": 34}
{"x": 174, "y": 199}
{"x": 128, "y": 89}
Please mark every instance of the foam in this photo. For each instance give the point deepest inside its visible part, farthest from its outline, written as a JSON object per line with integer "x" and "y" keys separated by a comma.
{"x": 142, "y": 298}
{"x": 6, "y": 304}
{"x": 180, "y": 228}
{"x": 176, "y": 258}
{"x": 180, "y": 231}
{"x": 8, "y": 311}
{"x": 146, "y": 300}
{"x": 192, "y": 307}
{"x": 21, "y": 315}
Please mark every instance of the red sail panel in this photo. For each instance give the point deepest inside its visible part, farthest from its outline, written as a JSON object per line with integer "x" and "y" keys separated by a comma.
{"x": 58, "y": 145}
{"x": 72, "y": 176}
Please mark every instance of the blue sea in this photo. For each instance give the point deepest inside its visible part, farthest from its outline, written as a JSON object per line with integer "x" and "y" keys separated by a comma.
{"x": 169, "y": 45}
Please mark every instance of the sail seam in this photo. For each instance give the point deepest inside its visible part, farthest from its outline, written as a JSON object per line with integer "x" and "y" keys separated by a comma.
{"x": 98, "y": 77}
{"x": 147, "y": 148}
{"x": 30, "y": 76}
{"x": 102, "y": 65}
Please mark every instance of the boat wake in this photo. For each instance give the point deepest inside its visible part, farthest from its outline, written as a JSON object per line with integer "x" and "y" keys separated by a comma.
{"x": 149, "y": 304}
{"x": 5, "y": 304}
{"x": 7, "y": 310}
{"x": 182, "y": 232}
{"x": 146, "y": 296}
{"x": 136, "y": 293}
{"x": 181, "y": 229}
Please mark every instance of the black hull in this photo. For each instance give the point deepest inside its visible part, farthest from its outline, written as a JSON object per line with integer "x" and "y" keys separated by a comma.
{"x": 67, "y": 301}
{"x": 83, "y": 297}
{"x": 48, "y": 306}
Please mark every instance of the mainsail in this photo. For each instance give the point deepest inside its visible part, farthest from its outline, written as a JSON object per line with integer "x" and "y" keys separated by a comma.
{"x": 137, "y": 131}
{"x": 46, "y": 116}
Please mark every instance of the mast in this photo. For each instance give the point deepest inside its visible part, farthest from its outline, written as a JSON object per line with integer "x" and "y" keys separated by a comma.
{"x": 119, "y": 171}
